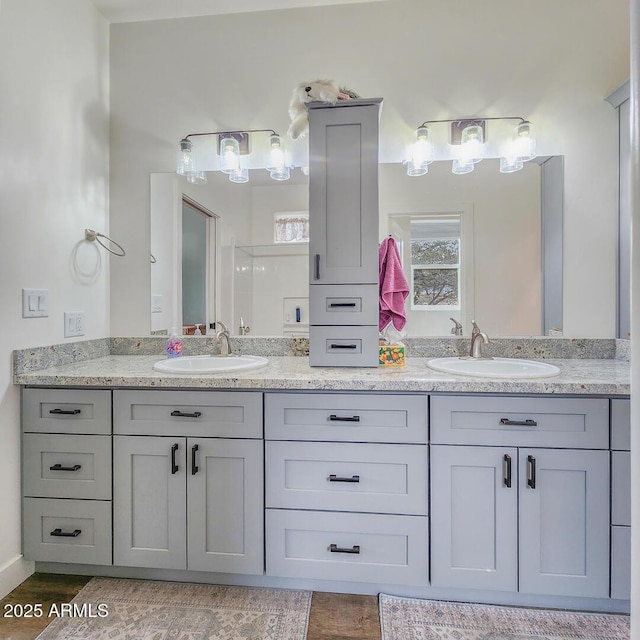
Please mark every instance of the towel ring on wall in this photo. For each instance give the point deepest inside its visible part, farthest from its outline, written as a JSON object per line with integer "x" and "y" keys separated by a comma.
{"x": 94, "y": 236}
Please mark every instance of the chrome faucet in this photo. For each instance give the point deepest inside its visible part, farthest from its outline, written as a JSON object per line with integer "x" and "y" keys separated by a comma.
{"x": 477, "y": 340}
{"x": 223, "y": 336}
{"x": 456, "y": 330}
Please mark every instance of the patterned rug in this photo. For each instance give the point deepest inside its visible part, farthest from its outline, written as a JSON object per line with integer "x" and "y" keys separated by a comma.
{"x": 411, "y": 619}
{"x": 149, "y": 610}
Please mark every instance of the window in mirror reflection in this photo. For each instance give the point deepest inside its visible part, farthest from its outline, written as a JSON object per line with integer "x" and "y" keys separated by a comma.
{"x": 291, "y": 227}
{"x": 435, "y": 263}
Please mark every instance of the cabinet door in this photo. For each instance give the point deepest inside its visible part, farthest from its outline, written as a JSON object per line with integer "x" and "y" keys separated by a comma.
{"x": 564, "y": 522}
{"x": 343, "y": 194}
{"x": 473, "y": 517}
{"x": 226, "y": 505}
{"x": 149, "y": 511}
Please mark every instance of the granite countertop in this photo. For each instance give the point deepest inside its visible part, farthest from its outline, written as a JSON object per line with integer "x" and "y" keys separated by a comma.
{"x": 577, "y": 376}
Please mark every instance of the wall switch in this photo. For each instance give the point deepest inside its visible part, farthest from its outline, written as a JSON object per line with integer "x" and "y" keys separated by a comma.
{"x": 156, "y": 303}
{"x": 73, "y": 323}
{"x": 35, "y": 303}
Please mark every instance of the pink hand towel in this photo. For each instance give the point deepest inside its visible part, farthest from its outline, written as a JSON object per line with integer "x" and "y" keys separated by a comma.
{"x": 394, "y": 287}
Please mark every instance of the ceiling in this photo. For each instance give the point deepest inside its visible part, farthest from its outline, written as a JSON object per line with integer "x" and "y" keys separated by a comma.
{"x": 140, "y": 10}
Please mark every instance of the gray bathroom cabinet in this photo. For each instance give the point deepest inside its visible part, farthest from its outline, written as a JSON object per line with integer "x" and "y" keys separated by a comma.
{"x": 192, "y": 499}
{"x": 516, "y": 517}
{"x": 343, "y": 233}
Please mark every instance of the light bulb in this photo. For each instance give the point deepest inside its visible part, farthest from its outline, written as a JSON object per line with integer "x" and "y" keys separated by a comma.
{"x": 186, "y": 160}
{"x": 229, "y": 155}
{"x": 471, "y": 142}
{"x": 275, "y": 159}
{"x": 524, "y": 142}
{"x": 421, "y": 154}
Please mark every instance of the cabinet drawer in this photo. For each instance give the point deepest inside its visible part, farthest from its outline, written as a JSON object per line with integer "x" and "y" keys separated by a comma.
{"x": 621, "y": 488}
{"x": 348, "y": 546}
{"x": 621, "y": 563}
{"x": 67, "y": 466}
{"x": 346, "y": 417}
{"x": 67, "y": 530}
{"x": 621, "y": 424}
{"x": 224, "y": 414}
{"x": 343, "y": 304}
{"x": 66, "y": 411}
{"x": 546, "y": 422}
{"x": 332, "y": 476}
{"x": 343, "y": 346}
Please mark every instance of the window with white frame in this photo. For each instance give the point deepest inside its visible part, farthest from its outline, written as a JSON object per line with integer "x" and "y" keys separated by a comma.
{"x": 291, "y": 227}
{"x": 435, "y": 263}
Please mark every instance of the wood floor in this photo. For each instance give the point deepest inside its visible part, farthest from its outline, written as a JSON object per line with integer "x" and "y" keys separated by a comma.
{"x": 334, "y": 616}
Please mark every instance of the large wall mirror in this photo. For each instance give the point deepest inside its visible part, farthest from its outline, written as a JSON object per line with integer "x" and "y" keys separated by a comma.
{"x": 473, "y": 246}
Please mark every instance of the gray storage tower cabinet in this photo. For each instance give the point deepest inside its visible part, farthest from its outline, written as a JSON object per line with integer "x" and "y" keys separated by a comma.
{"x": 343, "y": 231}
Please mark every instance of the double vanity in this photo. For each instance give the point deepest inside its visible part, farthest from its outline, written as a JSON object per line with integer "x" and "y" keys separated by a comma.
{"x": 409, "y": 480}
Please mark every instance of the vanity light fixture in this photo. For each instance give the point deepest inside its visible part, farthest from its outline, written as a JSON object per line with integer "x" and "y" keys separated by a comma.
{"x": 232, "y": 145}
{"x": 468, "y": 137}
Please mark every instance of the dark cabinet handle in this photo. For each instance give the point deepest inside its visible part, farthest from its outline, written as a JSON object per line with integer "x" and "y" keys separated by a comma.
{"x": 59, "y": 533}
{"x": 343, "y": 346}
{"x": 174, "y": 466}
{"x": 316, "y": 270}
{"x": 59, "y": 467}
{"x": 507, "y": 470}
{"x": 194, "y": 459}
{"x": 334, "y": 548}
{"x": 531, "y": 472}
{"x": 520, "y": 423}
{"x": 65, "y": 412}
{"x": 334, "y": 478}
{"x": 334, "y": 418}
{"x": 184, "y": 414}
{"x": 342, "y": 304}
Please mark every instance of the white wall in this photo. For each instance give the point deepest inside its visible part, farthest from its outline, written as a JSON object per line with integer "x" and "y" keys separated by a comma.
{"x": 552, "y": 61}
{"x": 54, "y": 95}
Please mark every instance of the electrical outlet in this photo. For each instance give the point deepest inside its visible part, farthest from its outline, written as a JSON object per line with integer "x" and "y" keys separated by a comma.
{"x": 73, "y": 323}
{"x": 35, "y": 303}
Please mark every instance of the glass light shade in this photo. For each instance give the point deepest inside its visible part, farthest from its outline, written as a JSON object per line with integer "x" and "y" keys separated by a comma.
{"x": 229, "y": 155}
{"x": 510, "y": 164}
{"x": 239, "y": 175}
{"x": 186, "y": 160}
{"x": 460, "y": 167}
{"x": 471, "y": 142}
{"x": 197, "y": 177}
{"x": 416, "y": 170}
{"x": 281, "y": 174}
{"x": 275, "y": 158}
{"x": 524, "y": 142}
{"x": 421, "y": 151}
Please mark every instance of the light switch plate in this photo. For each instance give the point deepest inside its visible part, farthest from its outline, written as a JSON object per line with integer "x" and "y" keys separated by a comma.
{"x": 35, "y": 303}
{"x": 73, "y": 323}
{"x": 156, "y": 303}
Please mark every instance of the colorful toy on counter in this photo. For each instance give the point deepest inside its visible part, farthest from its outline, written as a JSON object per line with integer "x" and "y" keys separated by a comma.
{"x": 392, "y": 355}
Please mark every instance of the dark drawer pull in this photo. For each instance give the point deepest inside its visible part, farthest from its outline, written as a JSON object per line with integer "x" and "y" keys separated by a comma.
{"x": 174, "y": 465}
{"x": 342, "y": 304}
{"x": 334, "y": 478}
{"x": 59, "y": 533}
{"x": 316, "y": 267}
{"x": 334, "y": 548}
{"x": 519, "y": 423}
{"x": 194, "y": 459}
{"x": 185, "y": 414}
{"x": 506, "y": 460}
{"x": 343, "y": 346}
{"x": 59, "y": 467}
{"x": 335, "y": 418}
{"x": 531, "y": 472}
{"x": 65, "y": 412}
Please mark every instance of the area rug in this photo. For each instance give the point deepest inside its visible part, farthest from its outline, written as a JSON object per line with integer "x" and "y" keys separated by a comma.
{"x": 412, "y": 619}
{"x": 151, "y": 610}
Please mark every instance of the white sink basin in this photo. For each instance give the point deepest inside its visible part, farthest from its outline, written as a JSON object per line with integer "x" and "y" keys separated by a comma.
{"x": 494, "y": 368}
{"x": 210, "y": 364}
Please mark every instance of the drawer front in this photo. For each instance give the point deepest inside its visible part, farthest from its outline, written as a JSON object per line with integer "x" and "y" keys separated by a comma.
{"x": 66, "y": 411}
{"x": 344, "y": 304}
{"x": 66, "y": 466}
{"x": 621, "y": 563}
{"x": 343, "y": 346}
{"x": 67, "y": 530}
{"x": 374, "y": 478}
{"x": 346, "y": 417}
{"x": 347, "y": 546}
{"x": 621, "y": 424}
{"x": 621, "y": 488}
{"x": 223, "y": 414}
{"x": 578, "y": 423}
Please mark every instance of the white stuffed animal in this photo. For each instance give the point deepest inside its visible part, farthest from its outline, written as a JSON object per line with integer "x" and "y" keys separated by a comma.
{"x": 316, "y": 91}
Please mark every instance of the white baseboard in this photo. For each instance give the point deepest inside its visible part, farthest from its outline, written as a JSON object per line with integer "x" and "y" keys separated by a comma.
{"x": 14, "y": 573}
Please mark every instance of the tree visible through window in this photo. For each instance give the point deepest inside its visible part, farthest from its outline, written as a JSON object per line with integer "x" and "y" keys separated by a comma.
{"x": 435, "y": 263}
